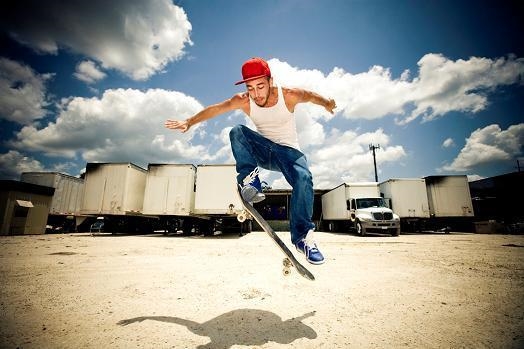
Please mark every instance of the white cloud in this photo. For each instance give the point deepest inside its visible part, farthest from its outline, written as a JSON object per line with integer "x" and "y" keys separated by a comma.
{"x": 22, "y": 92}
{"x": 120, "y": 126}
{"x": 442, "y": 86}
{"x": 88, "y": 72}
{"x": 127, "y": 125}
{"x": 474, "y": 177}
{"x": 138, "y": 38}
{"x": 345, "y": 156}
{"x": 448, "y": 142}
{"x": 310, "y": 132}
{"x": 224, "y": 153}
{"x": 13, "y": 163}
{"x": 489, "y": 144}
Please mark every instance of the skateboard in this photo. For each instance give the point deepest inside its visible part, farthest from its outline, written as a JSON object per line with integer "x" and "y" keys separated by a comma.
{"x": 289, "y": 259}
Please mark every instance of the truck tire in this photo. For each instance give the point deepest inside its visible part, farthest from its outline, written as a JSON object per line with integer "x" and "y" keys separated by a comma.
{"x": 396, "y": 232}
{"x": 187, "y": 226}
{"x": 360, "y": 230}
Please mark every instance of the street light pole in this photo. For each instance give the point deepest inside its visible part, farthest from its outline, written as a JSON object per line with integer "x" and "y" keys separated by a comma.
{"x": 372, "y": 147}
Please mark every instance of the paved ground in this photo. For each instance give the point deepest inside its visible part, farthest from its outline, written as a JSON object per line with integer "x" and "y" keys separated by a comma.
{"x": 412, "y": 291}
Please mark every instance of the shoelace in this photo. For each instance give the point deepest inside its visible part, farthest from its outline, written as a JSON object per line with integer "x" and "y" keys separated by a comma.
{"x": 311, "y": 246}
{"x": 251, "y": 176}
{"x": 310, "y": 243}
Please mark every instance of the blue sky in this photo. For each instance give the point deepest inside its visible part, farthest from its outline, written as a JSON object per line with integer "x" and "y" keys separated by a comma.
{"x": 437, "y": 84}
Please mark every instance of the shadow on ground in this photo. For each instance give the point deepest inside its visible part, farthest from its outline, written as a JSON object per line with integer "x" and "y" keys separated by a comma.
{"x": 241, "y": 327}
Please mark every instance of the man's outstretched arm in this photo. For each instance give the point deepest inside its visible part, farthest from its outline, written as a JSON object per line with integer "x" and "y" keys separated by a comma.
{"x": 328, "y": 103}
{"x": 236, "y": 102}
{"x": 304, "y": 96}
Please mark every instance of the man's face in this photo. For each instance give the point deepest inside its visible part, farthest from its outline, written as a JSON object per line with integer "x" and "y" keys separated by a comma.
{"x": 259, "y": 90}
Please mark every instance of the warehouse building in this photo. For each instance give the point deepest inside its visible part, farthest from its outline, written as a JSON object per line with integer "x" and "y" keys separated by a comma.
{"x": 24, "y": 207}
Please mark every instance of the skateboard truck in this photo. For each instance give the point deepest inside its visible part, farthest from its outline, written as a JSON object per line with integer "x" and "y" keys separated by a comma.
{"x": 287, "y": 266}
{"x": 242, "y": 216}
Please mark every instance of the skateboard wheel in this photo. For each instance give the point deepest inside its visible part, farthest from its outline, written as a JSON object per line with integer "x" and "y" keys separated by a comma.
{"x": 241, "y": 217}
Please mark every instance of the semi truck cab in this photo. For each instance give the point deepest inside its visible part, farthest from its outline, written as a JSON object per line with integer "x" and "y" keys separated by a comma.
{"x": 372, "y": 215}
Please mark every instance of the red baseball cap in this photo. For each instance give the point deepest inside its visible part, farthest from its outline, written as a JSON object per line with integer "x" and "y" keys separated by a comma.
{"x": 254, "y": 68}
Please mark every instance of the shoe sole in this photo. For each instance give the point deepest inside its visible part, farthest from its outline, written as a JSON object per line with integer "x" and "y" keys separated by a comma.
{"x": 248, "y": 195}
{"x": 258, "y": 198}
{"x": 252, "y": 195}
{"x": 315, "y": 262}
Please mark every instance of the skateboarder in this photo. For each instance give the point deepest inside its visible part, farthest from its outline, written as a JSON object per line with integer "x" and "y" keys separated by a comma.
{"x": 274, "y": 146}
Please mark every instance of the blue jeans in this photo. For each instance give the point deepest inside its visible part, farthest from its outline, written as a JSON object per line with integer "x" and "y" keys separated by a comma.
{"x": 251, "y": 149}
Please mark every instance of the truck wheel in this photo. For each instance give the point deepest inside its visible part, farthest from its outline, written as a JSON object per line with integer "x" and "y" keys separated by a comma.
{"x": 396, "y": 232}
{"x": 186, "y": 227}
{"x": 360, "y": 230}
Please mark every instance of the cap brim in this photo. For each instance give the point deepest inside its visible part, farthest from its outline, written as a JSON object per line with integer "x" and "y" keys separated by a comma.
{"x": 249, "y": 79}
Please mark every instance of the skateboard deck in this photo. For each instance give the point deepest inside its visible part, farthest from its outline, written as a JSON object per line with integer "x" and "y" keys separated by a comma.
{"x": 289, "y": 260}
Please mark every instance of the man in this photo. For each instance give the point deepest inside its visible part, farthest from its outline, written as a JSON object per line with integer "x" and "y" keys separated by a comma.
{"x": 274, "y": 147}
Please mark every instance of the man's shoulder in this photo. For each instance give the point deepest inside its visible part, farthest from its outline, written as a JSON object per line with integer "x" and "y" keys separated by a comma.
{"x": 292, "y": 90}
{"x": 292, "y": 93}
{"x": 240, "y": 101}
{"x": 240, "y": 98}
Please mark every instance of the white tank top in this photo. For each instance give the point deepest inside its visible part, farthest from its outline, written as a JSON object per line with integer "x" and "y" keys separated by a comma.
{"x": 276, "y": 123}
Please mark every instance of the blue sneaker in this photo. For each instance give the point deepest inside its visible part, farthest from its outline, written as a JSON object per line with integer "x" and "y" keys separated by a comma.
{"x": 252, "y": 188}
{"x": 308, "y": 247}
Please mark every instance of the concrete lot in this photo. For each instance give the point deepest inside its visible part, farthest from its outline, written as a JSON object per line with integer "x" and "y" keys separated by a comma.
{"x": 413, "y": 291}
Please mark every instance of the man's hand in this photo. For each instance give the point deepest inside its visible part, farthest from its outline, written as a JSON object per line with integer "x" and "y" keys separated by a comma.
{"x": 183, "y": 126}
{"x": 330, "y": 106}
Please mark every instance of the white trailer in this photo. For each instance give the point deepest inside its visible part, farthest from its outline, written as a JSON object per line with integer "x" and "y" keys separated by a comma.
{"x": 68, "y": 194}
{"x": 170, "y": 189}
{"x": 449, "y": 196}
{"x": 450, "y": 204}
{"x": 216, "y": 190}
{"x": 433, "y": 203}
{"x": 67, "y": 199}
{"x": 170, "y": 195}
{"x": 335, "y": 205}
{"x": 360, "y": 206}
{"x": 216, "y": 198}
{"x": 408, "y": 198}
{"x": 114, "y": 188}
{"x": 114, "y": 191}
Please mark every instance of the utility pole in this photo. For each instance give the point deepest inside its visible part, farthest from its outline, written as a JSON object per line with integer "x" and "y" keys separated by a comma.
{"x": 372, "y": 147}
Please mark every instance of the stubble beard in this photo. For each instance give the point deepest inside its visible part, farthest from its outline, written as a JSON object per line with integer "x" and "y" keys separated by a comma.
{"x": 265, "y": 100}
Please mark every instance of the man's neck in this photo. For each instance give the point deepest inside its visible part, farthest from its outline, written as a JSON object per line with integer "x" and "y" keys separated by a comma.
{"x": 272, "y": 100}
